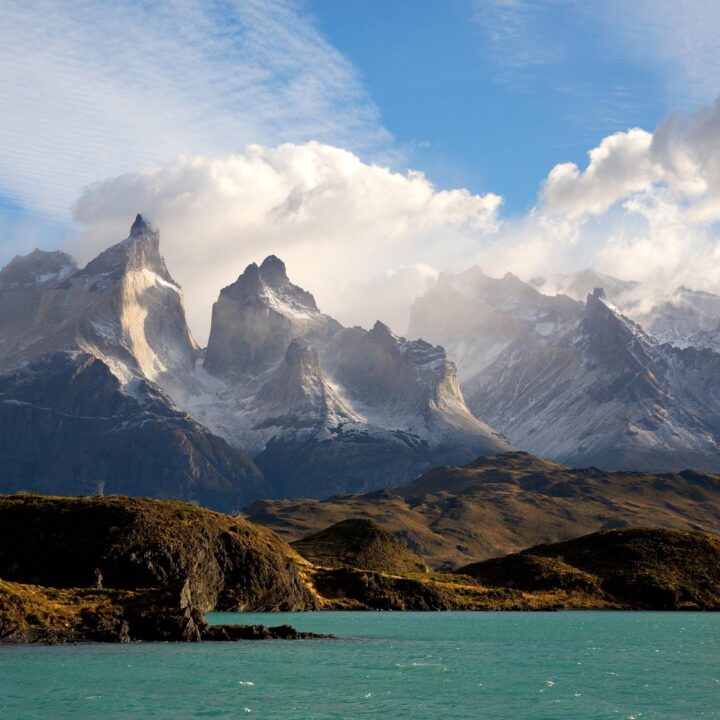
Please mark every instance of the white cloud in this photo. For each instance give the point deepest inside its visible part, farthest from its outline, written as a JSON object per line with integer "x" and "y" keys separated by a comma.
{"x": 680, "y": 159}
{"x": 646, "y": 207}
{"x": 333, "y": 218}
{"x": 620, "y": 165}
{"x": 366, "y": 240}
{"x": 91, "y": 89}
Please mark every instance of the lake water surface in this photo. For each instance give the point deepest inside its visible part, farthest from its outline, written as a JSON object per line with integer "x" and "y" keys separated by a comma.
{"x": 474, "y": 665}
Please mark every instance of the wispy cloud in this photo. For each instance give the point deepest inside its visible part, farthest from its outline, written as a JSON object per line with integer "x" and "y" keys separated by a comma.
{"x": 554, "y": 44}
{"x": 513, "y": 29}
{"x": 91, "y": 89}
{"x": 679, "y": 39}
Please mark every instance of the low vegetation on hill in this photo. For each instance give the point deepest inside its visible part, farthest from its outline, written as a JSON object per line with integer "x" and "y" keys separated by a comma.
{"x": 118, "y": 568}
{"x": 642, "y": 567}
{"x": 128, "y": 543}
{"x": 359, "y": 543}
{"x": 502, "y": 504}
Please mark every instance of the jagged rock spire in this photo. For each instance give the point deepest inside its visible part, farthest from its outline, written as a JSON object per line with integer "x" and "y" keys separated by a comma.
{"x": 273, "y": 270}
{"x": 139, "y": 227}
{"x": 271, "y": 275}
{"x": 141, "y": 249}
{"x": 256, "y": 318}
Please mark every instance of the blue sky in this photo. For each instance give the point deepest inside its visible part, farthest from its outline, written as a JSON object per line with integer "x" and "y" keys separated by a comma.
{"x": 492, "y": 95}
{"x": 487, "y": 95}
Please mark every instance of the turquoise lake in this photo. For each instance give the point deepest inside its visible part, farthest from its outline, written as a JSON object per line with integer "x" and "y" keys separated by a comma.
{"x": 475, "y": 665}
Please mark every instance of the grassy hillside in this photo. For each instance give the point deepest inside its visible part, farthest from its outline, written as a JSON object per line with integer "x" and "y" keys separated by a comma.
{"x": 359, "y": 543}
{"x": 497, "y": 505}
{"x": 128, "y": 543}
{"x": 661, "y": 569}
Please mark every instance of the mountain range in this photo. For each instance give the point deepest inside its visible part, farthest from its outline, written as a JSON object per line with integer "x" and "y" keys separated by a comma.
{"x": 104, "y": 390}
{"x": 588, "y": 375}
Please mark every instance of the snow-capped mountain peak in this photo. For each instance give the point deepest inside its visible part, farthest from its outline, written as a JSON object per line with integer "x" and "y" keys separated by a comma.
{"x": 122, "y": 307}
{"x": 319, "y": 407}
{"x": 37, "y": 268}
{"x": 613, "y": 335}
{"x": 139, "y": 251}
{"x": 476, "y": 317}
{"x": 585, "y": 383}
{"x": 256, "y": 318}
{"x": 685, "y": 318}
{"x": 269, "y": 285}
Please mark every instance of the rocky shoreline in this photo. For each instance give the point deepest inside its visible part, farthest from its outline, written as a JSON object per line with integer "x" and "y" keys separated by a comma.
{"x": 33, "y": 614}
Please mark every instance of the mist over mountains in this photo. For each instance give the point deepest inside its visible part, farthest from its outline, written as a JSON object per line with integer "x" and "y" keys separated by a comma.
{"x": 104, "y": 390}
{"x": 586, "y": 376}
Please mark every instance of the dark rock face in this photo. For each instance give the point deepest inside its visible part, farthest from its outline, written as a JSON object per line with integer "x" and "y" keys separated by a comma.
{"x": 67, "y": 427}
{"x": 345, "y": 461}
{"x": 220, "y": 562}
{"x": 641, "y": 568}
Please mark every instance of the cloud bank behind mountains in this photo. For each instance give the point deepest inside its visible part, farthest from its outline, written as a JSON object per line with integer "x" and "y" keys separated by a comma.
{"x": 647, "y": 204}
{"x": 337, "y": 221}
{"x": 367, "y": 240}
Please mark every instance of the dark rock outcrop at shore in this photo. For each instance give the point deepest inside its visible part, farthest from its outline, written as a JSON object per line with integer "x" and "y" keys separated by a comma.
{"x": 36, "y": 614}
{"x": 120, "y": 569}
